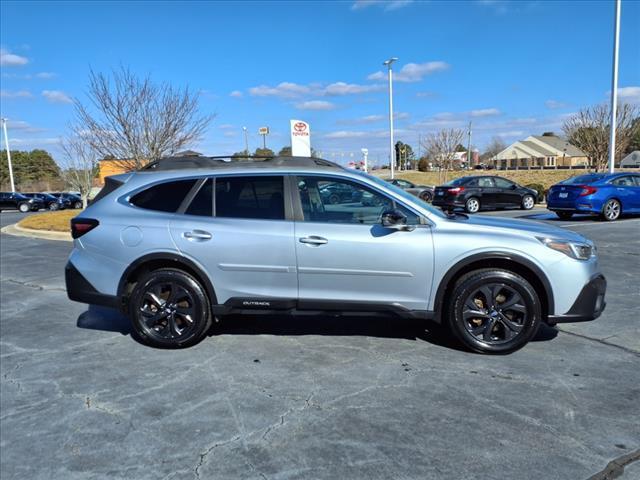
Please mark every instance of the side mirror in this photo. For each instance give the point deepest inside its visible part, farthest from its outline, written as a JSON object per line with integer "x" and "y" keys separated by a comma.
{"x": 514, "y": 187}
{"x": 395, "y": 220}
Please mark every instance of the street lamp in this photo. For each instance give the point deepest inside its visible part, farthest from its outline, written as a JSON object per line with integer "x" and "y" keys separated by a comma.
{"x": 246, "y": 140}
{"x": 392, "y": 153}
{"x": 6, "y": 144}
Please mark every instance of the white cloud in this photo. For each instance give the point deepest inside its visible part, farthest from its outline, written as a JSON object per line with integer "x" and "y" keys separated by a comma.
{"x": 15, "y": 94}
{"x": 342, "y": 88}
{"x": 226, "y": 126}
{"x": 512, "y": 133}
{"x": 45, "y": 75}
{"x": 284, "y": 90}
{"x": 346, "y": 134}
{"x": 361, "y": 120}
{"x": 629, "y": 94}
{"x": 554, "y": 104}
{"x": 35, "y": 142}
{"x": 315, "y": 105}
{"x": 22, "y": 126}
{"x": 236, "y": 94}
{"x": 56, "y": 96}
{"x": 412, "y": 72}
{"x": 485, "y": 112}
{"x": 8, "y": 59}
{"x": 387, "y": 5}
{"x": 426, "y": 94}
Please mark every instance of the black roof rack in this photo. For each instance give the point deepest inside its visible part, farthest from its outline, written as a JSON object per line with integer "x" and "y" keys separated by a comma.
{"x": 189, "y": 162}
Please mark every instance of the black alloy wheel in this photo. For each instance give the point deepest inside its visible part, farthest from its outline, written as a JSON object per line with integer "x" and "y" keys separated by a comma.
{"x": 426, "y": 196}
{"x": 169, "y": 308}
{"x": 494, "y": 311}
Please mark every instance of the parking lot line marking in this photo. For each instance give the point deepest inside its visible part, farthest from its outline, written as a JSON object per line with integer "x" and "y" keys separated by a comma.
{"x": 625, "y": 222}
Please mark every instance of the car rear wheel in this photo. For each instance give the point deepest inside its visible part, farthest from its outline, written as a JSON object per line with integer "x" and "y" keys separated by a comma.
{"x": 493, "y": 311}
{"x": 426, "y": 196}
{"x": 24, "y": 207}
{"x": 77, "y": 205}
{"x": 472, "y": 205}
{"x": 169, "y": 309}
{"x": 528, "y": 202}
{"x": 564, "y": 215}
{"x": 611, "y": 210}
{"x": 334, "y": 199}
{"x": 53, "y": 206}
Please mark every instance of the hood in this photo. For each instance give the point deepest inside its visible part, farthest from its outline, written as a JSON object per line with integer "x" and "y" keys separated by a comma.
{"x": 531, "y": 226}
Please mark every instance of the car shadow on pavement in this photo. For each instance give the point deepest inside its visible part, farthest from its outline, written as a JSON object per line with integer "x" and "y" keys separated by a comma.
{"x": 105, "y": 319}
{"x": 110, "y": 320}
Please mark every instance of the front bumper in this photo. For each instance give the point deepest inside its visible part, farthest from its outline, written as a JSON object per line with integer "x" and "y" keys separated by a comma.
{"x": 588, "y": 306}
{"x": 80, "y": 290}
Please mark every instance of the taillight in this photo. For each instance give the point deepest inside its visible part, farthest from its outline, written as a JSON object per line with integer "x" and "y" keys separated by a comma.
{"x": 456, "y": 190}
{"x": 80, "y": 226}
{"x": 587, "y": 190}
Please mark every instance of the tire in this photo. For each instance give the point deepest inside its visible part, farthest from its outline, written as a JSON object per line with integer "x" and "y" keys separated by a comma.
{"x": 472, "y": 205}
{"x": 334, "y": 199}
{"x": 528, "y": 202}
{"x": 611, "y": 210}
{"x": 24, "y": 207}
{"x": 158, "y": 323}
{"x": 494, "y": 330}
{"x": 426, "y": 196}
{"x": 77, "y": 205}
{"x": 53, "y": 206}
{"x": 564, "y": 215}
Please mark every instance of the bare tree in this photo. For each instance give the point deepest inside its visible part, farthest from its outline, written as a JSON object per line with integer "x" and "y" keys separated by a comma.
{"x": 496, "y": 146}
{"x": 589, "y": 130}
{"x": 441, "y": 148}
{"x": 80, "y": 165}
{"x": 135, "y": 121}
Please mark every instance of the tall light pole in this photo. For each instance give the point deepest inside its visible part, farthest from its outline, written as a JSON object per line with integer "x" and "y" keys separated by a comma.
{"x": 6, "y": 144}
{"x": 469, "y": 148}
{"x": 614, "y": 88}
{"x": 246, "y": 140}
{"x": 392, "y": 150}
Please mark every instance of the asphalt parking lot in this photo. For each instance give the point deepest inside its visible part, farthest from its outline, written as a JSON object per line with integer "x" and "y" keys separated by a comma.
{"x": 318, "y": 398}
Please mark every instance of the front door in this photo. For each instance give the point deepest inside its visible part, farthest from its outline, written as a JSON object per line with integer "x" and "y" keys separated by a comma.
{"x": 508, "y": 193}
{"x": 346, "y": 258}
{"x": 236, "y": 227}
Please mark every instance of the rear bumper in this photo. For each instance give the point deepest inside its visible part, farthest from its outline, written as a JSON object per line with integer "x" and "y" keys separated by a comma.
{"x": 447, "y": 202}
{"x": 80, "y": 290}
{"x": 588, "y": 306}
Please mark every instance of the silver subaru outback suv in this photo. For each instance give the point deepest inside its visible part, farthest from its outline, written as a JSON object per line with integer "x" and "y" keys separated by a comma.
{"x": 188, "y": 240}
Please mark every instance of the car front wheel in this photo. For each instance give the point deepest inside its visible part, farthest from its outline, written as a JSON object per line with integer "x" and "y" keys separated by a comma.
{"x": 611, "y": 210}
{"x": 493, "y": 311}
{"x": 77, "y": 205}
{"x": 426, "y": 196}
{"x": 53, "y": 206}
{"x": 24, "y": 207}
{"x": 472, "y": 205}
{"x": 169, "y": 309}
{"x": 528, "y": 202}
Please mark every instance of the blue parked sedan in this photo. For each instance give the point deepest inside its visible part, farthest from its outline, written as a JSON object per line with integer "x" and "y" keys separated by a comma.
{"x": 604, "y": 194}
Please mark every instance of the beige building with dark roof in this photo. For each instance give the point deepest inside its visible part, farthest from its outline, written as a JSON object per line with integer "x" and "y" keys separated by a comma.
{"x": 538, "y": 151}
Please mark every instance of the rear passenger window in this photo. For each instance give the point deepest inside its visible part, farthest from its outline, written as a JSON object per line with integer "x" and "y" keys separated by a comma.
{"x": 202, "y": 203}
{"x": 250, "y": 197}
{"x": 164, "y": 197}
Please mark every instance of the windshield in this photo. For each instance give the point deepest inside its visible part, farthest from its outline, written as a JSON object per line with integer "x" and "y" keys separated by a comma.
{"x": 402, "y": 193}
{"x": 456, "y": 181}
{"x": 583, "y": 179}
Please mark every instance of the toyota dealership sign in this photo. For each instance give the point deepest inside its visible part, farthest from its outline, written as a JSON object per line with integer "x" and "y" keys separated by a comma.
{"x": 300, "y": 139}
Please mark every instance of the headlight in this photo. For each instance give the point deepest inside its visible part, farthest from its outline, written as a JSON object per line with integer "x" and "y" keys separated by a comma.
{"x": 577, "y": 250}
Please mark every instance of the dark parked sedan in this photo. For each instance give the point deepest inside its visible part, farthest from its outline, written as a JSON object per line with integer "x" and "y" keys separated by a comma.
{"x": 15, "y": 200}
{"x": 475, "y": 192}
{"x": 423, "y": 192}
{"x": 70, "y": 200}
{"x": 50, "y": 202}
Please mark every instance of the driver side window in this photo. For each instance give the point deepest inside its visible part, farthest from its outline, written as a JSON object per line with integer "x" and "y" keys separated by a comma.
{"x": 336, "y": 200}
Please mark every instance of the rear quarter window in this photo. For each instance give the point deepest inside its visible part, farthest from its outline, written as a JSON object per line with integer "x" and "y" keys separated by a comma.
{"x": 163, "y": 197}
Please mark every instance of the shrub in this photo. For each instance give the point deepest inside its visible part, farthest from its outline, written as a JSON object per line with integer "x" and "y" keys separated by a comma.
{"x": 538, "y": 187}
{"x": 423, "y": 165}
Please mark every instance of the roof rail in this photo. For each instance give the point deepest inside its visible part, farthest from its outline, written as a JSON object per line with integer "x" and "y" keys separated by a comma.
{"x": 250, "y": 161}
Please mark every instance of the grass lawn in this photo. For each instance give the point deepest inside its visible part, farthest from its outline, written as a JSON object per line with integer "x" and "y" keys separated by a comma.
{"x": 53, "y": 221}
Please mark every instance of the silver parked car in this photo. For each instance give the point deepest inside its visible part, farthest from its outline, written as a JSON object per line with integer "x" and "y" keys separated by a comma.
{"x": 423, "y": 192}
{"x": 188, "y": 240}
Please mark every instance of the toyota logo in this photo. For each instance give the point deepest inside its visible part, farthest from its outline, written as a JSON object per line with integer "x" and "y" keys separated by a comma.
{"x": 300, "y": 127}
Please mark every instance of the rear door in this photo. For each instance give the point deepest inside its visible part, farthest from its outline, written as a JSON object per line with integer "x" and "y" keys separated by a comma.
{"x": 238, "y": 228}
{"x": 488, "y": 192}
{"x": 348, "y": 260}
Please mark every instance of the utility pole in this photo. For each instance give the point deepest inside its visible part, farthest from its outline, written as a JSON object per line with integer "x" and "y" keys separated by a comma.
{"x": 469, "y": 148}
{"x": 614, "y": 89}
{"x": 246, "y": 140}
{"x": 392, "y": 147}
{"x": 6, "y": 144}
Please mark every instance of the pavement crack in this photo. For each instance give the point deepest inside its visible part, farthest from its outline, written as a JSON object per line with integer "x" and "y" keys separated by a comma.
{"x": 602, "y": 342}
{"x": 203, "y": 455}
{"x": 33, "y": 285}
{"x": 615, "y": 468}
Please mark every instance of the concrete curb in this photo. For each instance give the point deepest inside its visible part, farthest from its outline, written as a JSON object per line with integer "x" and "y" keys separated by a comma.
{"x": 19, "y": 231}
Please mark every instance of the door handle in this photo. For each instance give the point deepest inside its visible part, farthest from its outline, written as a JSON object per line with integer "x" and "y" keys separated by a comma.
{"x": 197, "y": 235}
{"x": 314, "y": 240}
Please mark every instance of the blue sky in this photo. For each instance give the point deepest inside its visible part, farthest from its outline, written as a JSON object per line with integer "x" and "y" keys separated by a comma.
{"x": 512, "y": 68}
